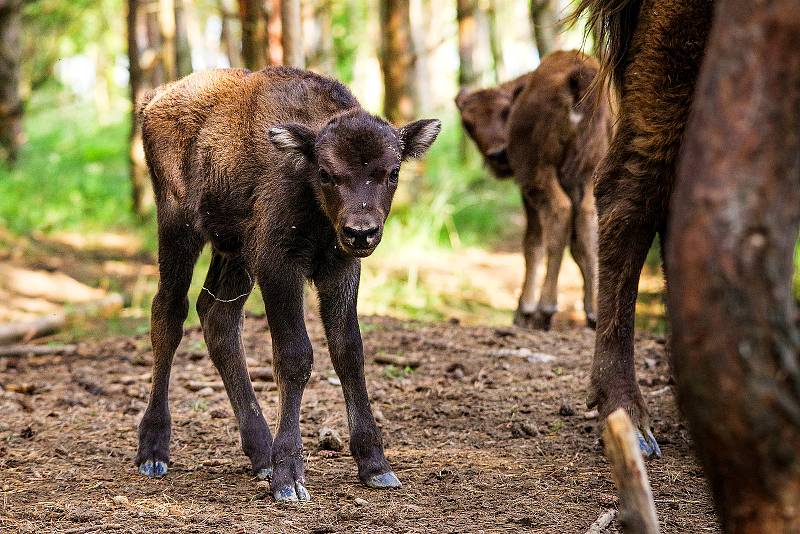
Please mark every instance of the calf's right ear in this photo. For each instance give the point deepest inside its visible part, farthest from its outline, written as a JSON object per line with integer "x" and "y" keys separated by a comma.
{"x": 294, "y": 139}
{"x": 461, "y": 98}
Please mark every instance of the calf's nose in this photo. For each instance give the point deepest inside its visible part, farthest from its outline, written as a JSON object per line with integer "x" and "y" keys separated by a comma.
{"x": 360, "y": 236}
{"x": 499, "y": 156}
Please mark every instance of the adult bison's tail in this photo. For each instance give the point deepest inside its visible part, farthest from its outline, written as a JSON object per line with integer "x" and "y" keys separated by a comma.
{"x": 612, "y": 23}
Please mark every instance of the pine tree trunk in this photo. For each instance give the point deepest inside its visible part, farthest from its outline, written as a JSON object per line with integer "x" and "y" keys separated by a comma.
{"x": 546, "y": 21}
{"x": 10, "y": 102}
{"x": 495, "y": 44}
{"x": 166, "y": 25}
{"x": 275, "y": 31}
{"x": 397, "y": 61}
{"x": 229, "y": 41}
{"x": 255, "y": 38}
{"x": 292, "y": 33}
{"x": 467, "y": 40}
{"x": 730, "y": 262}
{"x": 320, "y": 56}
{"x": 183, "y": 50}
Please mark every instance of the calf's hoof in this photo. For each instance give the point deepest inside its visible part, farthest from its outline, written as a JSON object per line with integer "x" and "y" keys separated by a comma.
{"x": 591, "y": 321}
{"x": 384, "y": 481}
{"x": 153, "y": 469}
{"x": 292, "y": 493}
{"x": 537, "y": 320}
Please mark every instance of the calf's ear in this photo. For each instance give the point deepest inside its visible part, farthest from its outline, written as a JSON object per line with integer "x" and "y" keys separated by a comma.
{"x": 294, "y": 139}
{"x": 417, "y": 137}
{"x": 461, "y": 98}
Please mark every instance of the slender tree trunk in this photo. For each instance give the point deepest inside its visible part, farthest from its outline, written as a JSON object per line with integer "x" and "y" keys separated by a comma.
{"x": 734, "y": 227}
{"x": 292, "y": 33}
{"x": 275, "y": 31}
{"x": 229, "y": 41}
{"x": 166, "y": 24}
{"x": 467, "y": 40}
{"x": 397, "y": 61}
{"x": 10, "y": 102}
{"x": 255, "y": 38}
{"x": 546, "y": 22}
{"x": 143, "y": 72}
{"x": 495, "y": 44}
{"x": 320, "y": 55}
{"x": 183, "y": 50}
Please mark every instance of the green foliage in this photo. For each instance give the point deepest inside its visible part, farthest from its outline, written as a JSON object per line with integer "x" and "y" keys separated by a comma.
{"x": 347, "y": 15}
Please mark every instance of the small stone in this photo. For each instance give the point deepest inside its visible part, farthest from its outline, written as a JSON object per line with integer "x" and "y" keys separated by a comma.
{"x": 263, "y": 485}
{"x": 218, "y": 413}
{"x": 566, "y": 410}
{"x": 330, "y": 440}
{"x": 121, "y": 500}
{"x": 205, "y": 392}
{"x": 334, "y": 381}
{"x": 378, "y": 414}
{"x": 361, "y": 502}
{"x": 591, "y": 414}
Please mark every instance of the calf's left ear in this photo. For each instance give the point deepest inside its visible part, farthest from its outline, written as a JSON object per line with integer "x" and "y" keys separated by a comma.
{"x": 417, "y": 137}
{"x": 295, "y": 140}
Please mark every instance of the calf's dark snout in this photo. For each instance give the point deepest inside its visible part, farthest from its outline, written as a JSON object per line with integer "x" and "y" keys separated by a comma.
{"x": 361, "y": 235}
{"x": 498, "y": 157}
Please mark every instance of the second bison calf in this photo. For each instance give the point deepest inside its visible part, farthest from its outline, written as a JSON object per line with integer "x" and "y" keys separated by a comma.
{"x": 290, "y": 180}
{"x": 549, "y": 131}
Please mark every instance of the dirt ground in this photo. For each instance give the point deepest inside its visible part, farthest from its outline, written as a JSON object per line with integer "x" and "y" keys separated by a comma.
{"x": 479, "y": 432}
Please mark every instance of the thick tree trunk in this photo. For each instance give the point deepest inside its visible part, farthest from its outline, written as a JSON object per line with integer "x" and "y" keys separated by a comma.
{"x": 292, "y": 34}
{"x": 10, "y": 102}
{"x": 255, "y": 38}
{"x": 275, "y": 32}
{"x": 397, "y": 61}
{"x": 166, "y": 25}
{"x": 467, "y": 40}
{"x": 546, "y": 22}
{"x": 736, "y": 213}
{"x": 183, "y": 50}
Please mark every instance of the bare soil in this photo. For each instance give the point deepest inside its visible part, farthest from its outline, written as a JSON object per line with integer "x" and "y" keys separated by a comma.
{"x": 480, "y": 433}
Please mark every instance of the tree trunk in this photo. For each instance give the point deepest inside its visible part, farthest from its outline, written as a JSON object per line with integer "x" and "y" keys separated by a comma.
{"x": 467, "y": 40}
{"x": 275, "y": 32}
{"x": 230, "y": 45}
{"x": 183, "y": 50}
{"x": 10, "y": 102}
{"x": 546, "y": 22}
{"x": 255, "y": 38}
{"x": 397, "y": 61}
{"x": 292, "y": 34}
{"x": 734, "y": 227}
{"x": 495, "y": 43}
{"x": 320, "y": 56}
{"x": 143, "y": 72}
{"x": 166, "y": 25}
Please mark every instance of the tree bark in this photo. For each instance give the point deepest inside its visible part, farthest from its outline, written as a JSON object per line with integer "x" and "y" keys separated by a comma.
{"x": 255, "y": 37}
{"x": 397, "y": 61}
{"x": 495, "y": 44}
{"x": 467, "y": 40}
{"x": 320, "y": 56}
{"x": 275, "y": 32}
{"x": 183, "y": 50}
{"x": 734, "y": 227}
{"x": 166, "y": 25}
{"x": 292, "y": 34}
{"x": 546, "y": 22}
{"x": 230, "y": 45}
{"x": 10, "y": 101}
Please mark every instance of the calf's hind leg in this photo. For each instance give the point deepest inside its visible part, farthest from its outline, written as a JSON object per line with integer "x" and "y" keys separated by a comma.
{"x": 220, "y": 306}
{"x": 584, "y": 250}
{"x": 178, "y": 250}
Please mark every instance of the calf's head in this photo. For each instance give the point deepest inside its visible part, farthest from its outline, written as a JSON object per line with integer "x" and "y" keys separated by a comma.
{"x": 484, "y": 115}
{"x": 353, "y": 162}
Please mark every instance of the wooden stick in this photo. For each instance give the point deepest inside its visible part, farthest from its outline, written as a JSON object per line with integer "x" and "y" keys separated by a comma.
{"x": 30, "y": 329}
{"x": 602, "y": 522}
{"x": 37, "y": 350}
{"x": 637, "y": 510}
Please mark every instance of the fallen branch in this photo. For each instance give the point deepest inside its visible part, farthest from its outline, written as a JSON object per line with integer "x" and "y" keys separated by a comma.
{"x": 603, "y": 521}
{"x": 397, "y": 361}
{"x": 30, "y": 329}
{"x": 37, "y": 350}
{"x": 637, "y": 511}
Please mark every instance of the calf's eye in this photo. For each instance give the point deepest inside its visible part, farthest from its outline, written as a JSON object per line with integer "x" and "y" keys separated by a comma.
{"x": 324, "y": 177}
{"x": 394, "y": 176}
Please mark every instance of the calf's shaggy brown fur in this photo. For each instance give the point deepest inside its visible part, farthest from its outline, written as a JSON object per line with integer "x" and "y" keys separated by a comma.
{"x": 549, "y": 131}
{"x": 290, "y": 180}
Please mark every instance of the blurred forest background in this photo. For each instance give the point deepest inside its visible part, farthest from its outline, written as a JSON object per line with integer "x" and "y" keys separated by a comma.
{"x": 76, "y": 211}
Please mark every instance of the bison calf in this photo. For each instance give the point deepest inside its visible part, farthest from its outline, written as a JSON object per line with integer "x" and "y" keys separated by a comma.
{"x": 548, "y": 130}
{"x": 290, "y": 180}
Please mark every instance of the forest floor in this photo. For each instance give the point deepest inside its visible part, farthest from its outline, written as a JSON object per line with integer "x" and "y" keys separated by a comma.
{"x": 485, "y": 426}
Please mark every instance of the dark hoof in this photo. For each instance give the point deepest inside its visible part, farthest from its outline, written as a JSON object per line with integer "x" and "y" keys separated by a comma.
{"x": 295, "y": 493}
{"x": 152, "y": 469}
{"x": 384, "y": 480}
{"x": 591, "y": 322}
{"x": 537, "y": 320}
{"x": 648, "y": 444}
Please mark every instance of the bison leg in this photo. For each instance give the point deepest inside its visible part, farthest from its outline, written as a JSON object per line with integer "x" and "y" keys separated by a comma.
{"x": 178, "y": 249}
{"x": 626, "y": 231}
{"x": 221, "y": 316}
{"x": 736, "y": 342}
{"x": 338, "y": 309}
{"x": 534, "y": 252}
{"x": 584, "y": 250}
{"x": 292, "y": 359}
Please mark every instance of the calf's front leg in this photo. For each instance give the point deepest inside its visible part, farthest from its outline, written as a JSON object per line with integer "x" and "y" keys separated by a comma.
{"x": 292, "y": 361}
{"x": 338, "y": 295}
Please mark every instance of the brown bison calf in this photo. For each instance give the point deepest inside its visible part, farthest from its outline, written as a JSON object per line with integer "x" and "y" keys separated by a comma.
{"x": 290, "y": 180}
{"x": 548, "y": 131}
